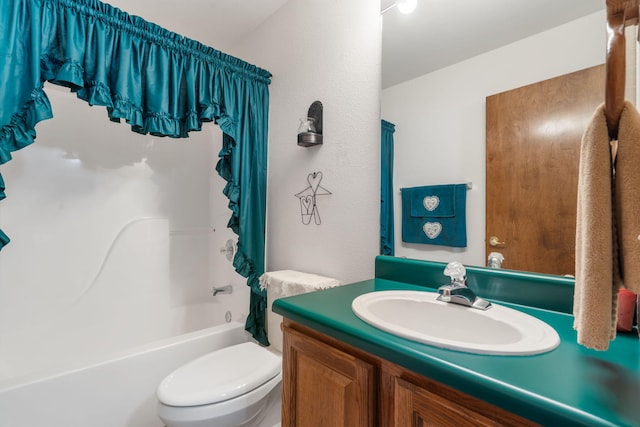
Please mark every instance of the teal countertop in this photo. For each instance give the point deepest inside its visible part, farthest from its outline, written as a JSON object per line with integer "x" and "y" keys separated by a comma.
{"x": 569, "y": 386}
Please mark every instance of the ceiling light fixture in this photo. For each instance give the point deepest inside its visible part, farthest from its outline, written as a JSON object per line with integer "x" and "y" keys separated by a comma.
{"x": 404, "y": 6}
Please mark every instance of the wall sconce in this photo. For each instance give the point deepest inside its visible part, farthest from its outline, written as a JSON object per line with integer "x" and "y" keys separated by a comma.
{"x": 310, "y": 130}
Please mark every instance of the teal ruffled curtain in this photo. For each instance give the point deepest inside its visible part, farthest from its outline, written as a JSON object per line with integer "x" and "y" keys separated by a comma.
{"x": 386, "y": 189}
{"x": 159, "y": 82}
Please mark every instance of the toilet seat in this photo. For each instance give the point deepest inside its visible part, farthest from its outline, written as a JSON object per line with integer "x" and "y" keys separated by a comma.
{"x": 219, "y": 376}
{"x": 229, "y": 413}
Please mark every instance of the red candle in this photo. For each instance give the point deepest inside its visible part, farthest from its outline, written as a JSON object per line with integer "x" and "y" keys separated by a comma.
{"x": 626, "y": 309}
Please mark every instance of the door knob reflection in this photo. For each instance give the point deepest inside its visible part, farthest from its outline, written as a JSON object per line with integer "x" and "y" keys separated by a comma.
{"x": 494, "y": 241}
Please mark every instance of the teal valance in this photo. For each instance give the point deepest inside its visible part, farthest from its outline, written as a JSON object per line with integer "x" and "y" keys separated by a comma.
{"x": 158, "y": 82}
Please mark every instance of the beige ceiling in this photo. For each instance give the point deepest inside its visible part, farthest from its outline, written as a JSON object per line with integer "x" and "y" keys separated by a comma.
{"x": 439, "y": 33}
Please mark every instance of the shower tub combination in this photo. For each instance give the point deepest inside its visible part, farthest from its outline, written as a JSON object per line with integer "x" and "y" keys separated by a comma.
{"x": 95, "y": 360}
{"x": 116, "y": 392}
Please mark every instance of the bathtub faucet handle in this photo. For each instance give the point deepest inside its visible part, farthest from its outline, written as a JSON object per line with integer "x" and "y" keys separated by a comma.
{"x": 228, "y": 289}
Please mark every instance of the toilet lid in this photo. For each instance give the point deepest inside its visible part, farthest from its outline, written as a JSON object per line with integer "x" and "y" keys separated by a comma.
{"x": 220, "y": 375}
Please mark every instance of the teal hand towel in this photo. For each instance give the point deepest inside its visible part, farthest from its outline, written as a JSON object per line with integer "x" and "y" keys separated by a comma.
{"x": 435, "y": 215}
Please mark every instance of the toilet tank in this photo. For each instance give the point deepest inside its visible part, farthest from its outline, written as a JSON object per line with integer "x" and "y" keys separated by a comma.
{"x": 286, "y": 283}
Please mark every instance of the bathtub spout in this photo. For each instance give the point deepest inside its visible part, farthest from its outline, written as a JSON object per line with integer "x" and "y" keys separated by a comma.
{"x": 228, "y": 289}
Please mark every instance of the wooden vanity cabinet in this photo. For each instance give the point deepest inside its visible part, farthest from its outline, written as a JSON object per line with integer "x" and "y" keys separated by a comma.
{"x": 324, "y": 386}
{"x": 328, "y": 383}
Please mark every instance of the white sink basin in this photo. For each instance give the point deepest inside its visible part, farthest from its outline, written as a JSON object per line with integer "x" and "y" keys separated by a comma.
{"x": 418, "y": 316}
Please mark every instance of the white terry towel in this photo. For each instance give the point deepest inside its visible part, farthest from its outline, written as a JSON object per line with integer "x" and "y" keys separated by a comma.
{"x": 607, "y": 226}
{"x": 290, "y": 282}
{"x": 285, "y": 283}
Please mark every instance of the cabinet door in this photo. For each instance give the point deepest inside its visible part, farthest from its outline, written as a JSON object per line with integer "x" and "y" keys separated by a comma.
{"x": 325, "y": 387}
{"x": 417, "y": 407}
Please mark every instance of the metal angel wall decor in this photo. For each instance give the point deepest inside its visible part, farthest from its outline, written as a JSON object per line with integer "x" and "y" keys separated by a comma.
{"x": 308, "y": 198}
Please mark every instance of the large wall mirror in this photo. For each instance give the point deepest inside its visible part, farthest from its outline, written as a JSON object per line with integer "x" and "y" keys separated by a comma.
{"x": 464, "y": 58}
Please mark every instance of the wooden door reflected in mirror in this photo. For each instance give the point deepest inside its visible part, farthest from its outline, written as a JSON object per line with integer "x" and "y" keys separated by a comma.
{"x": 533, "y": 149}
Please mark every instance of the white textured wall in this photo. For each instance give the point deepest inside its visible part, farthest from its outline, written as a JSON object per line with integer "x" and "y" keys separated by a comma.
{"x": 326, "y": 50}
{"x": 440, "y": 119}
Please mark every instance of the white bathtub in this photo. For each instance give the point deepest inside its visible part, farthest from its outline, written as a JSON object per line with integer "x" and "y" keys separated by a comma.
{"x": 116, "y": 392}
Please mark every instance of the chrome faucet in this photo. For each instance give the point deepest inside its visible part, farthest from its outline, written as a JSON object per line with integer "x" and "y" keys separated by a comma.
{"x": 457, "y": 291}
{"x": 228, "y": 289}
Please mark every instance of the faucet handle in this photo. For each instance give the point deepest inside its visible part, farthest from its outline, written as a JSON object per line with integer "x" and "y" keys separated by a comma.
{"x": 456, "y": 272}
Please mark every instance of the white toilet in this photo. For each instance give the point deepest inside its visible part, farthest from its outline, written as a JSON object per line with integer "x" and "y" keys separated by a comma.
{"x": 236, "y": 386}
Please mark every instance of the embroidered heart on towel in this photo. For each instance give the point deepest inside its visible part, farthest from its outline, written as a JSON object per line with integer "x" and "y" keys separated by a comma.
{"x": 431, "y": 203}
{"x": 432, "y": 229}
